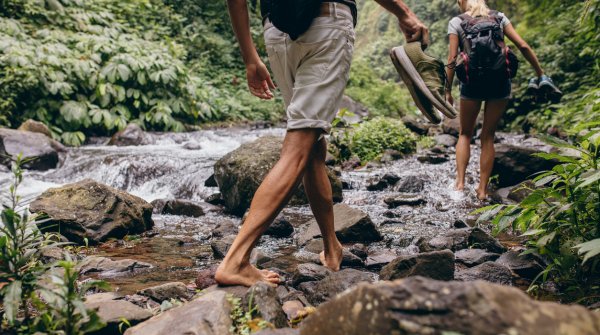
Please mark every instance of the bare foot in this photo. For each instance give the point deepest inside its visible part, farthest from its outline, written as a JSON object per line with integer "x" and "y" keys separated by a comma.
{"x": 459, "y": 186}
{"x": 246, "y": 275}
{"x": 332, "y": 260}
{"x": 482, "y": 195}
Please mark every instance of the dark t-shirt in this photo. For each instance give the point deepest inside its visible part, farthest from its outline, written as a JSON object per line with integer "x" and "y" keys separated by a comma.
{"x": 265, "y": 5}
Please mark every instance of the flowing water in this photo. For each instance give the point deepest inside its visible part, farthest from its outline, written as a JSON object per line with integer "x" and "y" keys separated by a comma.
{"x": 177, "y": 165}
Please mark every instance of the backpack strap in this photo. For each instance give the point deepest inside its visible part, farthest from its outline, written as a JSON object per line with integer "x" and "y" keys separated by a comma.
{"x": 464, "y": 43}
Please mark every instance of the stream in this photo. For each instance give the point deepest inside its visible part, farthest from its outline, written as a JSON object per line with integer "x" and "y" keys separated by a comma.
{"x": 176, "y": 167}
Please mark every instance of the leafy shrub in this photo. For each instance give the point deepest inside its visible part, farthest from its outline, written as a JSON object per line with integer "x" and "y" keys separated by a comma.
{"x": 371, "y": 138}
{"x": 90, "y": 67}
{"x": 561, "y": 216}
{"x": 32, "y": 301}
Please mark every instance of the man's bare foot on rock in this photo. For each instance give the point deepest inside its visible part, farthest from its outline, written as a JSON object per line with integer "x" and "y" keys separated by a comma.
{"x": 459, "y": 186}
{"x": 332, "y": 260}
{"x": 247, "y": 275}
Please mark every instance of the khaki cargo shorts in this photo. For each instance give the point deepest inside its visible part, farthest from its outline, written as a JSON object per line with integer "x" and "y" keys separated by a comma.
{"x": 312, "y": 71}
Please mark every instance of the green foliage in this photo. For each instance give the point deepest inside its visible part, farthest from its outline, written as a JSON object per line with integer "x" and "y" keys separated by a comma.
{"x": 566, "y": 37}
{"x": 370, "y": 139}
{"x": 561, "y": 216}
{"x": 21, "y": 244}
{"x": 245, "y": 322}
{"x": 34, "y": 301}
{"x": 90, "y": 67}
{"x": 61, "y": 303}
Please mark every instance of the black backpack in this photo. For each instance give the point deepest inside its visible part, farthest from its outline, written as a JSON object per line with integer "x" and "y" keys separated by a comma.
{"x": 484, "y": 55}
{"x": 293, "y": 17}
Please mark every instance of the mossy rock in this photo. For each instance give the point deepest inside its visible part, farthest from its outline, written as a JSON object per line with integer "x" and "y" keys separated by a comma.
{"x": 240, "y": 173}
{"x": 93, "y": 211}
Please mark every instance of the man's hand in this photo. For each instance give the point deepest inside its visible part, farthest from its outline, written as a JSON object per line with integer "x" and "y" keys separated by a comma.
{"x": 259, "y": 80}
{"x": 414, "y": 30}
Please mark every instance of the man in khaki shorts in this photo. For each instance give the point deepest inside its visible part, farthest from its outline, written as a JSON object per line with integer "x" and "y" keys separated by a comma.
{"x": 312, "y": 72}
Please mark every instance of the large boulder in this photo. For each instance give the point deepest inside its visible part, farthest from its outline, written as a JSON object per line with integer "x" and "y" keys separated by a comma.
{"x": 240, "y": 172}
{"x": 436, "y": 265}
{"x": 351, "y": 225}
{"x": 207, "y": 315}
{"x": 516, "y": 163}
{"x": 133, "y": 134}
{"x": 37, "y": 148}
{"x": 422, "y": 306}
{"x": 93, "y": 211}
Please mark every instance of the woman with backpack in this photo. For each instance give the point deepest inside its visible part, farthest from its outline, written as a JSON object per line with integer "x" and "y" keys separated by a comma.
{"x": 485, "y": 67}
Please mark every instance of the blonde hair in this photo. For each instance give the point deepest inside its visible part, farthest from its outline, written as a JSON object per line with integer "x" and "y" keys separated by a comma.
{"x": 476, "y": 8}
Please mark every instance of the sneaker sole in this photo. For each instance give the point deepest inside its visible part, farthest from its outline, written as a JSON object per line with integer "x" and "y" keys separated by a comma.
{"x": 432, "y": 115}
{"x": 436, "y": 100}
{"x": 552, "y": 93}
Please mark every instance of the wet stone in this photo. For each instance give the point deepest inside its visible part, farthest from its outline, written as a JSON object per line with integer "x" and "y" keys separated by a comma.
{"x": 224, "y": 229}
{"x": 377, "y": 185}
{"x": 445, "y": 140}
{"x": 281, "y": 227}
{"x": 351, "y": 225}
{"x": 404, "y": 200}
{"x": 220, "y": 247}
{"x": 377, "y": 261}
{"x": 177, "y": 207}
{"x": 106, "y": 267}
{"x": 480, "y": 239}
{"x": 436, "y": 265}
{"x": 280, "y": 331}
{"x": 215, "y": 199}
{"x": 433, "y": 158}
{"x": 211, "y": 181}
{"x": 167, "y": 291}
{"x": 209, "y": 314}
{"x": 473, "y": 257}
{"x": 264, "y": 298}
{"x": 112, "y": 312}
{"x": 526, "y": 266}
{"x": 488, "y": 271}
{"x": 360, "y": 250}
{"x": 318, "y": 292}
{"x": 131, "y": 135}
{"x": 411, "y": 184}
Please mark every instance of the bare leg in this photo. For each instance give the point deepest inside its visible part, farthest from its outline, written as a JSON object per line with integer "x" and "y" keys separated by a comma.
{"x": 272, "y": 195}
{"x": 469, "y": 109}
{"x": 493, "y": 113}
{"x": 318, "y": 190}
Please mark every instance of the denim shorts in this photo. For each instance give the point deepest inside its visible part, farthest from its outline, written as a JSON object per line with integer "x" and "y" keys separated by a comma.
{"x": 490, "y": 90}
{"x": 312, "y": 71}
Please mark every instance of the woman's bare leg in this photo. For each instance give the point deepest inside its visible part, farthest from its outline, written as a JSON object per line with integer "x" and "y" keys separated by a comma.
{"x": 469, "y": 109}
{"x": 494, "y": 110}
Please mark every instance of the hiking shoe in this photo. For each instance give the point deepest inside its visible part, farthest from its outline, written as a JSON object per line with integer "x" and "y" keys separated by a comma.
{"x": 422, "y": 102}
{"x": 533, "y": 87}
{"x": 549, "y": 90}
{"x": 426, "y": 73}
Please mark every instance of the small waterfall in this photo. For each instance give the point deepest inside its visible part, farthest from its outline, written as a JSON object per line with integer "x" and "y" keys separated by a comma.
{"x": 175, "y": 166}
